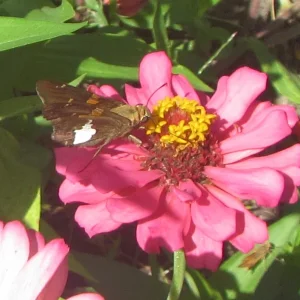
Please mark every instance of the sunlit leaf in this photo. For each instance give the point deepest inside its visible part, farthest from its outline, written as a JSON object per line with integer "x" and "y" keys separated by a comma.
{"x": 115, "y": 280}
{"x": 17, "y": 32}
{"x": 58, "y": 14}
{"x": 235, "y": 281}
{"x": 285, "y": 83}
{"x": 19, "y": 105}
{"x": 20, "y": 184}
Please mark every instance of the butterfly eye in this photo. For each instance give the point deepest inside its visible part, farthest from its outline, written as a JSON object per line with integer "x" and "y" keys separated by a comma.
{"x": 145, "y": 118}
{"x": 144, "y": 113}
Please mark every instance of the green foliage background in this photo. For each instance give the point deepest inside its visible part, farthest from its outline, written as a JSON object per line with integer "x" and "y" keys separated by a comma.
{"x": 40, "y": 39}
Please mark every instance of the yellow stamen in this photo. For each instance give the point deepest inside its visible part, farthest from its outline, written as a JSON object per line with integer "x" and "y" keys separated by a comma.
{"x": 180, "y": 121}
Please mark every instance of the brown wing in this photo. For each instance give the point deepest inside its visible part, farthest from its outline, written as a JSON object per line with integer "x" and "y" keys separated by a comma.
{"x": 107, "y": 128}
{"x": 62, "y": 100}
{"x": 71, "y": 109}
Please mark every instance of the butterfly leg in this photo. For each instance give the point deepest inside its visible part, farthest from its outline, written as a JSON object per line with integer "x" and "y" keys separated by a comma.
{"x": 95, "y": 155}
{"x": 134, "y": 139}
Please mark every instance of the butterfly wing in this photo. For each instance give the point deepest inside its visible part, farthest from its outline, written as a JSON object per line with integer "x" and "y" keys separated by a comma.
{"x": 72, "y": 131}
{"x": 80, "y": 118}
{"x": 62, "y": 100}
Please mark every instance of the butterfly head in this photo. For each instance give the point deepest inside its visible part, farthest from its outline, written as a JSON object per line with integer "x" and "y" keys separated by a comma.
{"x": 143, "y": 113}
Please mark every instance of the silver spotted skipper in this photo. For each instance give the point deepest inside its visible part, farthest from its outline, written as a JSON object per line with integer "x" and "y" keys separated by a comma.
{"x": 80, "y": 118}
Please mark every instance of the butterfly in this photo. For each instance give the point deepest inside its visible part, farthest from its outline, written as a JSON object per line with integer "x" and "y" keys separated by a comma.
{"x": 81, "y": 118}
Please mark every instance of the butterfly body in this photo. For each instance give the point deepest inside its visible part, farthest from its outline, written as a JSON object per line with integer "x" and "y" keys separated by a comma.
{"x": 80, "y": 118}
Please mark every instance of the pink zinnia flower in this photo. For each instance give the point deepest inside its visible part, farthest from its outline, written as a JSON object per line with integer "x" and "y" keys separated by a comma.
{"x": 31, "y": 269}
{"x": 200, "y": 160}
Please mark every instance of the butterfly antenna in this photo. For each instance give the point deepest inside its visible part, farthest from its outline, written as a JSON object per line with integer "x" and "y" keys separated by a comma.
{"x": 153, "y": 93}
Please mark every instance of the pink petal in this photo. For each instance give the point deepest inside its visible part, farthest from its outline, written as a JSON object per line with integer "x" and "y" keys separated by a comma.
{"x": 263, "y": 109}
{"x": 106, "y": 91}
{"x": 256, "y": 109}
{"x": 279, "y": 160}
{"x": 1, "y": 231}
{"x": 290, "y": 193}
{"x": 187, "y": 191}
{"x": 202, "y": 251}
{"x": 293, "y": 173}
{"x": 14, "y": 253}
{"x": 225, "y": 198}
{"x": 77, "y": 192}
{"x": 36, "y": 242}
{"x": 87, "y": 296}
{"x": 39, "y": 270}
{"x": 219, "y": 97}
{"x": 255, "y": 232}
{"x": 95, "y": 219}
{"x": 86, "y": 165}
{"x": 286, "y": 161}
{"x": 55, "y": 286}
{"x": 238, "y": 94}
{"x": 165, "y": 227}
{"x": 291, "y": 199}
{"x": 126, "y": 164}
{"x": 127, "y": 150}
{"x": 238, "y": 155}
{"x": 271, "y": 130}
{"x": 183, "y": 88}
{"x": 112, "y": 179}
{"x": 213, "y": 218}
{"x": 250, "y": 229}
{"x": 263, "y": 185}
{"x": 66, "y": 156}
{"x": 136, "y": 206}
{"x": 254, "y": 113}
{"x": 136, "y": 96}
{"x": 155, "y": 76}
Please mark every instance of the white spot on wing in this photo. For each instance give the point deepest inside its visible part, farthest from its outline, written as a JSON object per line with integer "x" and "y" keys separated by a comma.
{"x": 84, "y": 134}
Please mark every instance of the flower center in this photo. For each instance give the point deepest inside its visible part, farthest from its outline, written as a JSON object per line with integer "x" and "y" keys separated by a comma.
{"x": 180, "y": 121}
{"x": 180, "y": 142}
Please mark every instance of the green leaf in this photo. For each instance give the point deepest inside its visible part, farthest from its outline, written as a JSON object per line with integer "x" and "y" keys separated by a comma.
{"x": 19, "y": 193}
{"x": 159, "y": 30}
{"x": 77, "y": 80}
{"x": 200, "y": 287}
{"x": 98, "y": 69}
{"x": 19, "y": 105}
{"x": 197, "y": 83}
{"x": 235, "y": 281}
{"x": 95, "y": 55}
{"x": 12, "y": 62}
{"x": 284, "y": 82}
{"x": 27, "y": 127}
{"x": 98, "y": 16}
{"x": 33, "y": 214}
{"x": 20, "y": 8}
{"x": 35, "y": 155}
{"x": 115, "y": 280}
{"x": 184, "y": 12}
{"x": 58, "y": 14}
{"x": 17, "y": 32}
